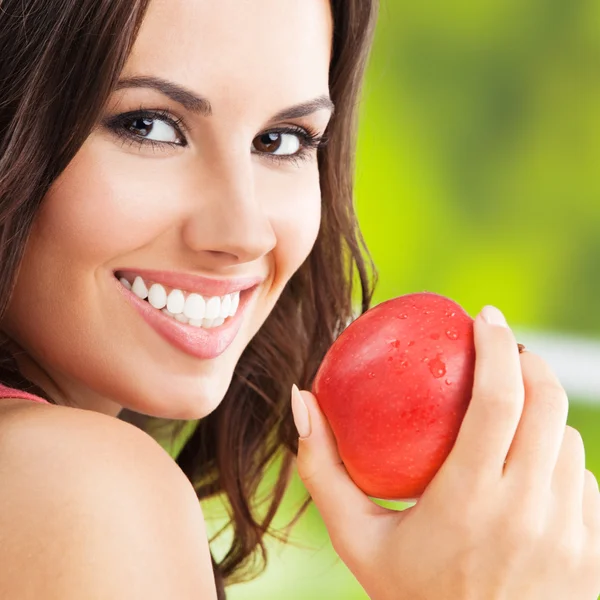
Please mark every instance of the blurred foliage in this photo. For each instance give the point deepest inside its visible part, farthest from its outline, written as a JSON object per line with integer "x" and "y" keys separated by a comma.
{"x": 477, "y": 179}
{"x": 477, "y": 171}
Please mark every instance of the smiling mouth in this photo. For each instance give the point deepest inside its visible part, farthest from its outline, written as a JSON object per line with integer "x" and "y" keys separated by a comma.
{"x": 190, "y": 308}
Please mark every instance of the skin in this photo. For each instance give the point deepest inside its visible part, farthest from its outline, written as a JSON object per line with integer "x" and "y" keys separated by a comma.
{"x": 214, "y": 207}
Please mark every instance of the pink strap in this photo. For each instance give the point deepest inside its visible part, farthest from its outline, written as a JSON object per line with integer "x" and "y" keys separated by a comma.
{"x": 7, "y": 392}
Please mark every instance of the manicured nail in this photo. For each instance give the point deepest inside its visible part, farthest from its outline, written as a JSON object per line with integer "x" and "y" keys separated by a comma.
{"x": 300, "y": 412}
{"x": 493, "y": 316}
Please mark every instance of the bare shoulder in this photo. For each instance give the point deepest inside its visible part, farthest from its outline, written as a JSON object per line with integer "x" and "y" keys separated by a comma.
{"x": 84, "y": 448}
{"x": 27, "y": 428}
{"x": 93, "y": 507}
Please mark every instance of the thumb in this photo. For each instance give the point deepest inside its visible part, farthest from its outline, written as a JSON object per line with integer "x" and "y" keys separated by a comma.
{"x": 345, "y": 509}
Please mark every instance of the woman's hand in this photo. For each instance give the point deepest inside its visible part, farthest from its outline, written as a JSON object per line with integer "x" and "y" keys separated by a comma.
{"x": 528, "y": 529}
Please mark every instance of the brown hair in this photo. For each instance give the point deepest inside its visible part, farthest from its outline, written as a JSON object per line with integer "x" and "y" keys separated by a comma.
{"x": 59, "y": 62}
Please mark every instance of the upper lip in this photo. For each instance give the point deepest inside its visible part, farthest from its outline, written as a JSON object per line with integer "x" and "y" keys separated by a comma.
{"x": 204, "y": 286}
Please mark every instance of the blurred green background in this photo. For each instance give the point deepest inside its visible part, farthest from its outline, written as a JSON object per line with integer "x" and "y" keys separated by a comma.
{"x": 477, "y": 179}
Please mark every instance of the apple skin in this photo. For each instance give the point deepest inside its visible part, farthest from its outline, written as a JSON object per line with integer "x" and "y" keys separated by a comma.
{"x": 395, "y": 387}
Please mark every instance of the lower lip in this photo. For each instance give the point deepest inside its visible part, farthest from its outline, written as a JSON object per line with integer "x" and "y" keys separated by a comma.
{"x": 196, "y": 341}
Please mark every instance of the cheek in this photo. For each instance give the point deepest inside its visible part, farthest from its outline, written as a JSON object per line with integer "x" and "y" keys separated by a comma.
{"x": 293, "y": 202}
{"x": 105, "y": 204}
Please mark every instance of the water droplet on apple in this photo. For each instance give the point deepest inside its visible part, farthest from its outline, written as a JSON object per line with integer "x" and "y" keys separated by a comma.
{"x": 395, "y": 343}
{"x": 403, "y": 316}
{"x": 411, "y": 343}
{"x": 371, "y": 375}
{"x": 437, "y": 368}
{"x": 404, "y": 364}
{"x": 425, "y": 360}
{"x": 448, "y": 382}
{"x": 453, "y": 335}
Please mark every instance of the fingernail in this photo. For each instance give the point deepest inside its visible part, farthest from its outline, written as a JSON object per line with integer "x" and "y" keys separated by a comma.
{"x": 493, "y": 316}
{"x": 300, "y": 412}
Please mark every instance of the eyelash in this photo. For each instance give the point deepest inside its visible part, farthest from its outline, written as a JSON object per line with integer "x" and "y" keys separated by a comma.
{"x": 310, "y": 139}
{"x": 117, "y": 126}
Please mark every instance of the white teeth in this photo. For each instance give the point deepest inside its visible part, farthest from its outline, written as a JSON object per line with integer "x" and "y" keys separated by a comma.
{"x": 195, "y": 307}
{"x": 204, "y": 323}
{"x": 139, "y": 288}
{"x": 225, "y": 306}
{"x": 125, "y": 283}
{"x": 207, "y": 323}
{"x": 176, "y": 302}
{"x": 157, "y": 296}
{"x": 235, "y": 302}
{"x": 213, "y": 308}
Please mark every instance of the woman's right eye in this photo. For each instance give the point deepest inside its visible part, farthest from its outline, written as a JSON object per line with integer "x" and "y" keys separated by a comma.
{"x": 149, "y": 127}
{"x": 152, "y": 129}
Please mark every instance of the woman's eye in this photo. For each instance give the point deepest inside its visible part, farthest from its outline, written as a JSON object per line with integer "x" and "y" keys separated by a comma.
{"x": 282, "y": 144}
{"x": 153, "y": 129}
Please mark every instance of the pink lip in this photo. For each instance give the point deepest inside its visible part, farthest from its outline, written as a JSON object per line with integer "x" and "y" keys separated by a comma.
{"x": 195, "y": 341}
{"x": 193, "y": 283}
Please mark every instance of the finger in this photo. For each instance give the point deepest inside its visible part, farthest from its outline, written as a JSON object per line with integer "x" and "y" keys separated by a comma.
{"x": 491, "y": 420}
{"x": 535, "y": 450}
{"x": 345, "y": 509}
{"x": 591, "y": 503}
{"x": 568, "y": 479}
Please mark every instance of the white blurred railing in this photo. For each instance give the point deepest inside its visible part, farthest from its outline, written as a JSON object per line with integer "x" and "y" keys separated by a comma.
{"x": 575, "y": 360}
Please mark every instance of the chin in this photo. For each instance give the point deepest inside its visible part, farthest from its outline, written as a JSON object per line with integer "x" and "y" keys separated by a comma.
{"x": 186, "y": 401}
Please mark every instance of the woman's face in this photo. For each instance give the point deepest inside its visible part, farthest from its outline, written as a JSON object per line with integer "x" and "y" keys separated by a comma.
{"x": 202, "y": 181}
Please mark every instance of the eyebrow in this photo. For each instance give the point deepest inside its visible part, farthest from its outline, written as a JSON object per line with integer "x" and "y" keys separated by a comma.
{"x": 181, "y": 95}
{"x": 305, "y": 108}
{"x": 197, "y": 104}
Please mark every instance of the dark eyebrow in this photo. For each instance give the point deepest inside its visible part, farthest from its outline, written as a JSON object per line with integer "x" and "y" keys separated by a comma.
{"x": 305, "y": 108}
{"x": 181, "y": 95}
{"x": 197, "y": 104}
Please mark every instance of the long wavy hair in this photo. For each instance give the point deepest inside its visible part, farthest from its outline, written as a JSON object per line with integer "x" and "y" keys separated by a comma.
{"x": 59, "y": 63}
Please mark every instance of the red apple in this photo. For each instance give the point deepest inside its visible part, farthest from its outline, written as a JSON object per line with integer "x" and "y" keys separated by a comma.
{"x": 395, "y": 387}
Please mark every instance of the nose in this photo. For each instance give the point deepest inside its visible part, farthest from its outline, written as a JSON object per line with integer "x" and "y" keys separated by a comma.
{"x": 228, "y": 224}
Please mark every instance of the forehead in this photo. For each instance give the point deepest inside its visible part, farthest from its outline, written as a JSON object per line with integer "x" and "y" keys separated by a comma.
{"x": 227, "y": 48}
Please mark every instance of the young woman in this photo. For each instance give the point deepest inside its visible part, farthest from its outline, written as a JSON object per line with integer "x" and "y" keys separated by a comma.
{"x": 178, "y": 241}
